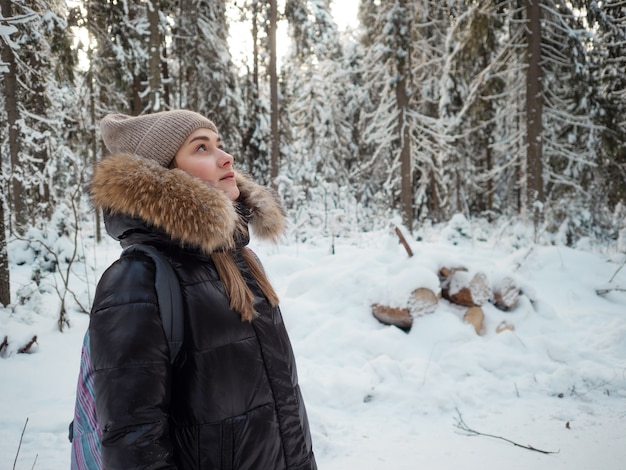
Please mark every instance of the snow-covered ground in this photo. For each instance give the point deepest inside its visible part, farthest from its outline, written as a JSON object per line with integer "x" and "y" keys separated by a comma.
{"x": 379, "y": 398}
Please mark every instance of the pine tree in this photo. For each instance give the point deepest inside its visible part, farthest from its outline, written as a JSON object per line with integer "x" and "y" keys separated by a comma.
{"x": 206, "y": 77}
{"x": 257, "y": 136}
{"x": 473, "y": 111}
{"x": 41, "y": 62}
{"x": 119, "y": 61}
{"x": 403, "y": 65}
{"x": 608, "y": 72}
{"x": 318, "y": 92}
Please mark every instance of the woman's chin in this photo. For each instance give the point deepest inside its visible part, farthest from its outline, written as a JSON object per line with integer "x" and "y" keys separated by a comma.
{"x": 232, "y": 192}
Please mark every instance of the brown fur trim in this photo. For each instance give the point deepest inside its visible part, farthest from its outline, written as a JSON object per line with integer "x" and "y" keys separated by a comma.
{"x": 268, "y": 217}
{"x": 188, "y": 209}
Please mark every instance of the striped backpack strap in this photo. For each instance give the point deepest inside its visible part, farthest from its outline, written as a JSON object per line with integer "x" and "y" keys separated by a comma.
{"x": 84, "y": 431}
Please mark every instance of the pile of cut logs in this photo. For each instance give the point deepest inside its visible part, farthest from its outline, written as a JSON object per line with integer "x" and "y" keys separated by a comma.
{"x": 458, "y": 286}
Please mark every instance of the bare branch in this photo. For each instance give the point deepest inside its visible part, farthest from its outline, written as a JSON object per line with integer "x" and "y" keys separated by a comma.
{"x": 404, "y": 242}
{"x": 606, "y": 291}
{"x": 460, "y": 424}
{"x": 618, "y": 270}
{"x": 20, "y": 444}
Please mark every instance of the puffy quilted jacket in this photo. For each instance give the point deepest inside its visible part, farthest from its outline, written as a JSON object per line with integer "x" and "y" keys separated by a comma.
{"x": 231, "y": 400}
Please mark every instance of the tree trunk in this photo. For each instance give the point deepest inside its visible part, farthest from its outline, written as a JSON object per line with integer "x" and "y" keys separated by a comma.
{"x": 406, "y": 182}
{"x": 42, "y": 205}
{"x": 134, "y": 96}
{"x": 273, "y": 73}
{"x": 5, "y": 283}
{"x": 534, "y": 110}
{"x": 18, "y": 196}
{"x": 154, "y": 59}
{"x": 92, "y": 117}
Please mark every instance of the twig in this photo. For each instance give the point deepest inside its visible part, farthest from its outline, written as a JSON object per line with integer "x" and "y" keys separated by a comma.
{"x": 606, "y": 291}
{"x": 460, "y": 424}
{"x": 20, "y": 444}
{"x": 618, "y": 270}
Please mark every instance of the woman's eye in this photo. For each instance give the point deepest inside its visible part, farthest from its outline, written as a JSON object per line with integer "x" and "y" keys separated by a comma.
{"x": 201, "y": 148}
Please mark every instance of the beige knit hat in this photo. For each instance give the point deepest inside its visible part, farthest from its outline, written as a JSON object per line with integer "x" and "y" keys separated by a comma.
{"x": 156, "y": 136}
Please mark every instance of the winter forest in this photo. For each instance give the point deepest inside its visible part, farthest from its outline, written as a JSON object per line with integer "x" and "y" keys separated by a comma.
{"x": 491, "y": 133}
{"x": 495, "y": 109}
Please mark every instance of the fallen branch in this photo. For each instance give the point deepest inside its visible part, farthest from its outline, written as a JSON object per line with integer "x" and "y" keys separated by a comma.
{"x": 606, "y": 291}
{"x": 404, "y": 242}
{"x": 20, "y": 444}
{"x": 618, "y": 270}
{"x": 460, "y": 424}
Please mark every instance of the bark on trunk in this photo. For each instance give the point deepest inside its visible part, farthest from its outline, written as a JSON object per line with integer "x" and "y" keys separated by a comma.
{"x": 534, "y": 111}
{"x": 154, "y": 59}
{"x": 273, "y": 91}
{"x": 18, "y": 196}
{"x": 42, "y": 205}
{"x": 406, "y": 184}
{"x": 5, "y": 275}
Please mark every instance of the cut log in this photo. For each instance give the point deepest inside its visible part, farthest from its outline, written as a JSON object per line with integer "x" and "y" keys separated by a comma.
{"x": 506, "y": 294}
{"x": 475, "y": 317}
{"x": 462, "y": 288}
{"x": 504, "y": 326}
{"x": 422, "y": 301}
{"x": 399, "y": 317}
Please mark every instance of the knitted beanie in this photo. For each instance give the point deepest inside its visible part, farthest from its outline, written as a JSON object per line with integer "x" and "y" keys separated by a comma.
{"x": 156, "y": 136}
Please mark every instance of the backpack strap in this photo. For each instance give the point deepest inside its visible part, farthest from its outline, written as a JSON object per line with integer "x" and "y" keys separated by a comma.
{"x": 168, "y": 295}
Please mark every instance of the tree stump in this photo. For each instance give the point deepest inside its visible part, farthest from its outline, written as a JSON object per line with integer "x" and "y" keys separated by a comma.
{"x": 462, "y": 288}
{"x": 422, "y": 301}
{"x": 399, "y": 317}
{"x": 475, "y": 317}
{"x": 506, "y": 294}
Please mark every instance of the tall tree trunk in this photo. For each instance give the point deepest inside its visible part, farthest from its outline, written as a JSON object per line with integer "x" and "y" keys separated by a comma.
{"x": 274, "y": 92}
{"x": 92, "y": 114}
{"x": 18, "y": 196}
{"x": 534, "y": 110}
{"x": 406, "y": 181}
{"x": 134, "y": 96}
{"x": 154, "y": 59}
{"x": 434, "y": 200}
{"x": 5, "y": 278}
{"x": 253, "y": 100}
{"x": 42, "y": 205}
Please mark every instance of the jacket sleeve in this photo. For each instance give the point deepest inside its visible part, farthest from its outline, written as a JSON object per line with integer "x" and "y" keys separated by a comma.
{"x": 130, "y": 359}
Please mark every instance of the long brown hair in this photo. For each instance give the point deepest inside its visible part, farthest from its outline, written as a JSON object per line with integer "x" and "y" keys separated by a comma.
{"x": 239, "y": 294}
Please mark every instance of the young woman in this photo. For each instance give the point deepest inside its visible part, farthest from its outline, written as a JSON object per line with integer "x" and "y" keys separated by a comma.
{"x": 231, "y": 399}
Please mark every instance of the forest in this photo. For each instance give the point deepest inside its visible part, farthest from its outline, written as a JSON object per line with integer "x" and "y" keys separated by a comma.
{"x": 495, "y": 109}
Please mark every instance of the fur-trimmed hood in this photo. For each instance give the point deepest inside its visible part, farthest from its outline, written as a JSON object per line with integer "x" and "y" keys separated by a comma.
{"x": 188, "y": 210}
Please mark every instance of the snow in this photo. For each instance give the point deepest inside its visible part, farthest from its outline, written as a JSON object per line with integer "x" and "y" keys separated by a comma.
{"x": 377, "y": 397}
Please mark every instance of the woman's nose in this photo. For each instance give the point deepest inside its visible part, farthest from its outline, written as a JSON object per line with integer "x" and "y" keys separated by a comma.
{"x": 226, "y": 158}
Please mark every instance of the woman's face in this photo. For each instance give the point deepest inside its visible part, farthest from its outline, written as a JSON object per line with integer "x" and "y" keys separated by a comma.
{"x": 202, "y": 156}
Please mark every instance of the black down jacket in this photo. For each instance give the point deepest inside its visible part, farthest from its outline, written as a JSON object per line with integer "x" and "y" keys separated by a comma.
{"x": 231, "y": 400}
